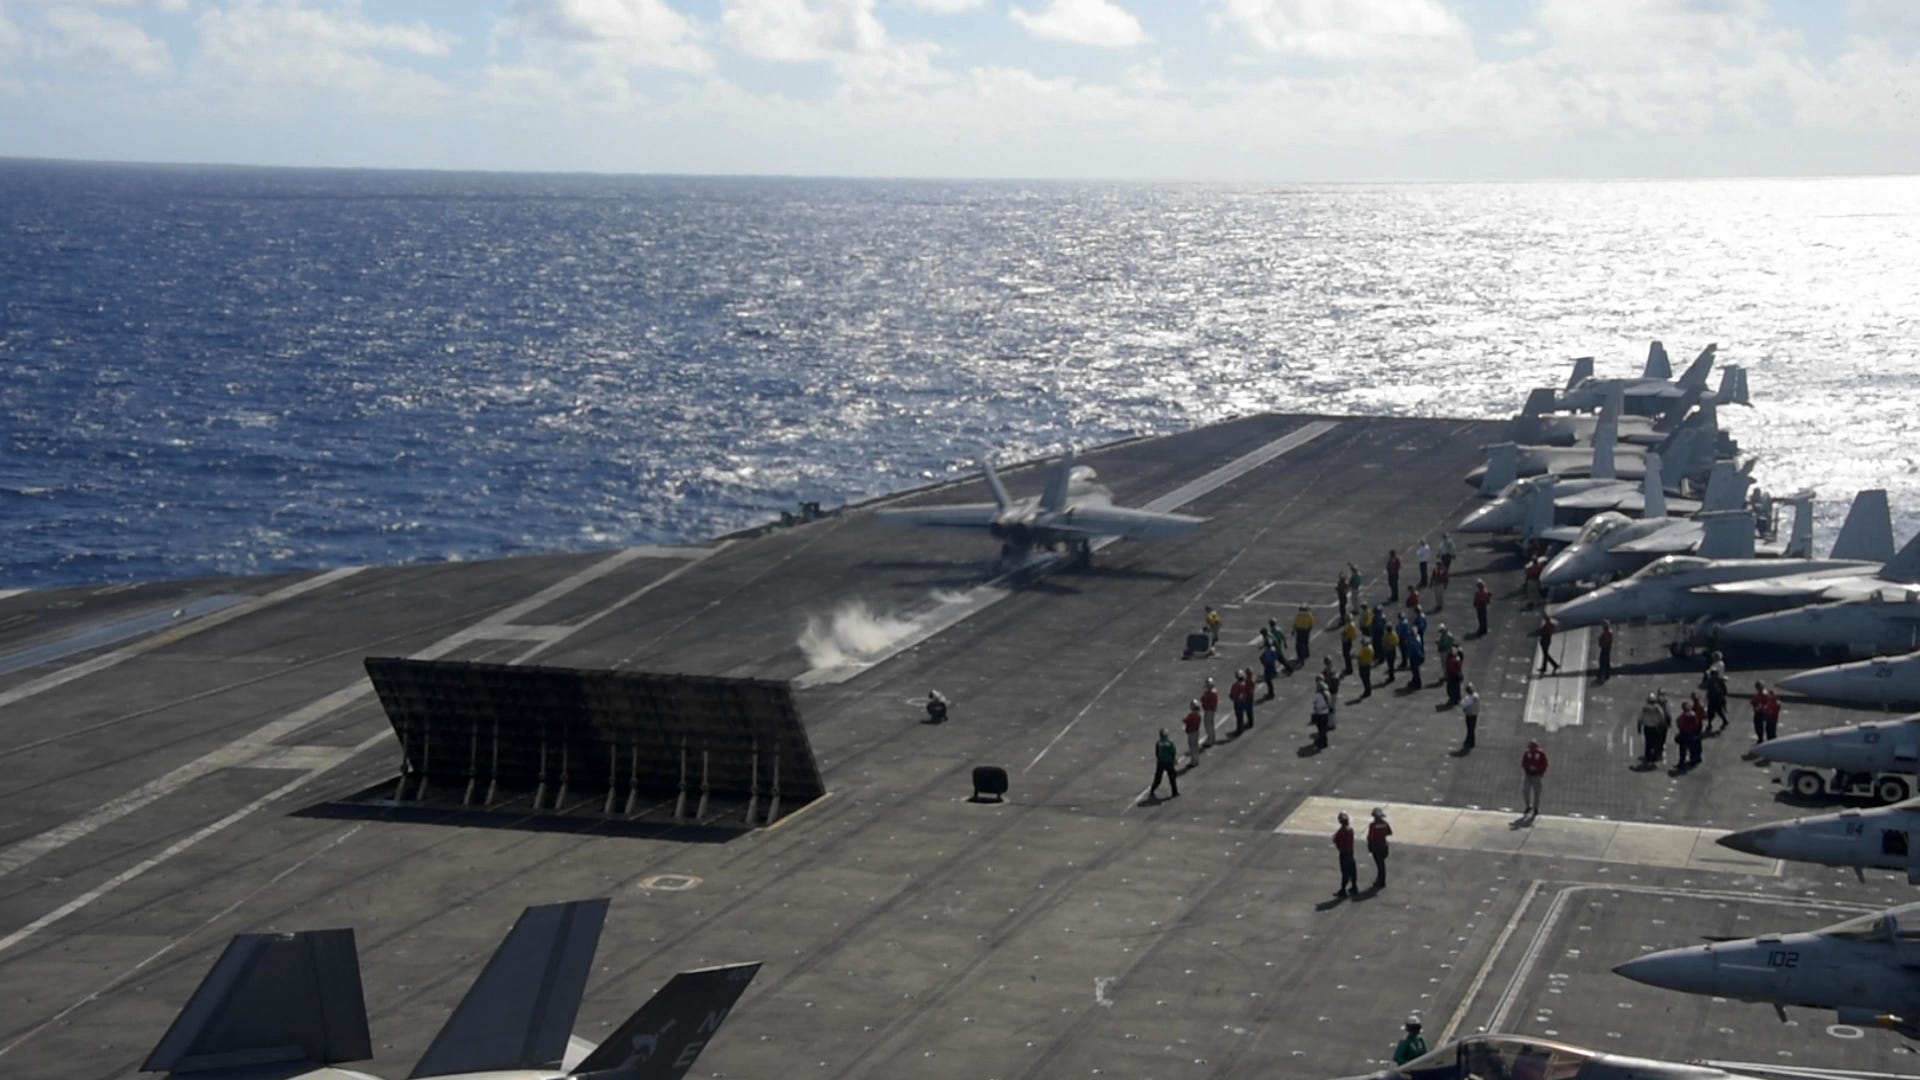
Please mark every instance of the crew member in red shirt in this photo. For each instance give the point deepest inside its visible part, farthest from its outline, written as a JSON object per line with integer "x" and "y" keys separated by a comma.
{"x": 1482, "y": 599}
{"x": 1686, "y": 733}
{"x": 1547, "y": 627}
{"x": 1210, "y": 708}
{"x": 1191, "y": 722}
{"x": 1533, "y": 767}
{"x": 1377, "y": 833}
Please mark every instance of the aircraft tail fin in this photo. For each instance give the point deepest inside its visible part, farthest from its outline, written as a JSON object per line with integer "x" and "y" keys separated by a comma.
{"x": 1676, "y": 411}
{"x": 1740, "y": 389}
{"x": 1904, "y": 567}
{"x": 1729, "y": 387}
{"x": 1539, "y": 400}
{"x": 1726, "y": 534}
{"x": 1606, "y": 436}
{"x": 1653, "y": 495}
{"x": 661, "y": 1040}
{"x": 1726, "y": 487}
{"x": 1582, "y": 371}
{"x": 1055, "y": 498}
{"x": 1503, "y": 468}
{"x": 1868, "y": 531}
{"x": 1800, "y": 535}
{"x": 272, "y": 998}
{"x": 1658, "y": 366}
{"x": 1702, "y": 366}
{"x": 519, "y": 1013}
{"x": 1539, "y": 511}
{"x": 994, "y": 485}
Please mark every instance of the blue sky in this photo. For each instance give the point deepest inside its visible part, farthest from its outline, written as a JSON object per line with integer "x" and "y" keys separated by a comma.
{"x": 1260, "y": 90}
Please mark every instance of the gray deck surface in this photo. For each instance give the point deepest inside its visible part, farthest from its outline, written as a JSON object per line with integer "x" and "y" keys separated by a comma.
{"x": 150, "y": 792}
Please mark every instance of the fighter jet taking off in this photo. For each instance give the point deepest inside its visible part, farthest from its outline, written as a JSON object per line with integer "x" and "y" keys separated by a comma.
{"x": 1072, "y": 512}
{"x": 1863, "y": 969}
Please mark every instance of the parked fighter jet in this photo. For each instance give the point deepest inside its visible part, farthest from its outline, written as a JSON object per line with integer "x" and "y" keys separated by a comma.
{"x": 1073, "y": 512}
{"x": 1479, "y": 1056}
{"x": 1688, "y": 451}
{"x": 1595, "y": 554}
{"x": 1882, "y": 838}
{"x": 1887, "y": 621}
{"x": 1792, "y": 589}
{"x": 1530, "y": 505}
{"x": 1648, "y": 394}
{"x": 290, "y": 1007}
{"x": 1875, "y": 746}
{"x": 1863, "y": 969}
{"x": 1668, "y": 589}
{"x": 1881, "y": 683}
{"x": 1538, "y": 425}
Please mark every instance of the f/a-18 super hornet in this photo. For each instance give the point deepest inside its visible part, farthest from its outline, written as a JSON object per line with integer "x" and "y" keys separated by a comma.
{"x": 1878, "y": 838}
{"x": 1672, "y": 588}
{"x": 290, "y": 1007}
{"x": 1867, "y": 970}
{"x": 1533, "y": 503}
{"x": 1072, "y": 512}
{"x": 1871, "y": 746}
{"x": 1480, "y": 1057}
{"x": 1881, "y": 682}
{"x": 1886, "y": 621}
{"x": 1612, "y": 545}
{"x": 1650, "y": 392}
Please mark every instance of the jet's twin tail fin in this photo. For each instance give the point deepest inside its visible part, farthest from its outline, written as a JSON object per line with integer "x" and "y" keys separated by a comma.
{"x": 1653, "y": 496}
{"x": 1702, "y": 366}
{"x": 1726, "y": 487}
{"x": 1676, "y": 411}
{"x": 1725, "y": 534}
{"x": 1868, "y": 531}
{"x": 1658, "y": 366}
{"x": 1606, "y": 437}
{"x": 1054, "y": 499}
{"x": 661, "y": 1040}
{"x": 519, "y": 1013}
{"x": 1904, "y": 567}
{"x": 1582, "y": 371}
{"x": 1800, "y": 534}
{"x": 272, "y": 998}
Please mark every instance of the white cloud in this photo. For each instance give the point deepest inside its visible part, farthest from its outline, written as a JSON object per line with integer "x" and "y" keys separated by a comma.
{"x": 1100, "y": 23}
{"x": 9, "y": 34}
{"x": 845, "y": 34}
{"x": 1515, "y": 39}
{"x": 949, "y": 7}
{"x": 632, "y": 33}
{"x": 1348, "y": 30}
{"x": 92, "y": 37}
{"x": 268, "y": 55}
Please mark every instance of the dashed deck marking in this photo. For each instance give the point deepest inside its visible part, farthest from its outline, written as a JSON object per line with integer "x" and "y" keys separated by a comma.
{"x": 1558, "y": 700}
{"x": 1634, "y": 842}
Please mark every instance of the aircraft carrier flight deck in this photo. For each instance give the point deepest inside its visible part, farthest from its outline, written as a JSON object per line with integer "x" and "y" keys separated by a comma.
{"x": 185, "y": 761}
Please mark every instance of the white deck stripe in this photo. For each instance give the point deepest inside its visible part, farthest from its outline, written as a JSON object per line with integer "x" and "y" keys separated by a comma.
{"x": 250, "y": 749}
{"x": 219, "y": 618}
{"x": 1633, "y": 842}
{"x": 1559, "y": 700}
{"x": 944, "y": 615}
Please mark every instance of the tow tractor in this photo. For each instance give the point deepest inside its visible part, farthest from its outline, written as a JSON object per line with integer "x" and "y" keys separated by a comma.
{"x": 1813, "y": 783}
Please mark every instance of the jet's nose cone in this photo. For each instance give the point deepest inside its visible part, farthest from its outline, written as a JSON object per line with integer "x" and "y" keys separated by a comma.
{"x": 1571, "y": 565}
{"x": 1758, "y": 630}
{"x": 1750, "y": 841}
{"x": 1689, "y": 971}
{"x": 1494, "y": 517}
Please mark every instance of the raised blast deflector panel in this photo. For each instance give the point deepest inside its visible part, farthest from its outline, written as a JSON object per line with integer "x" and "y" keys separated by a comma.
{"x": 617, "y": 743}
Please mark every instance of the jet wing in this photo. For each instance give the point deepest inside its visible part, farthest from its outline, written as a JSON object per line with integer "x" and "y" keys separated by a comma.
{"x": 1792, "y": 587}
{"x": 1626, "y": 499}
{"x": 1678, "y": 538}
{"x": 1089, "y": 521}
{"x": 950, "y": 516}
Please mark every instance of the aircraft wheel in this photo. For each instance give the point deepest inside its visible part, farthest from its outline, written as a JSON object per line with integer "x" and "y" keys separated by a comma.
{"x": 1890, "y": 789}
{"x": 1807, "y": 784}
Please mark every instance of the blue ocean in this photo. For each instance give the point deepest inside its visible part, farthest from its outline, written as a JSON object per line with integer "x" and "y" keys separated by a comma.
{"x": 211, "y": 371}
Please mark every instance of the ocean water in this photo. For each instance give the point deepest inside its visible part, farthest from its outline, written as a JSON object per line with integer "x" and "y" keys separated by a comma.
{"x": 232, "y": 371}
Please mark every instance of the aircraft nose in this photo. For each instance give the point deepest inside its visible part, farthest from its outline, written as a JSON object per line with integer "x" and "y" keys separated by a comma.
{"x": 1842, "y": 683}
{"x": 1757, "y": 630}
{"x": 1492, "y": 517}
{"x": 1750, "y": 841}
{"x": 1690, "y": 971}
{"x": 1567, "y": 567}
